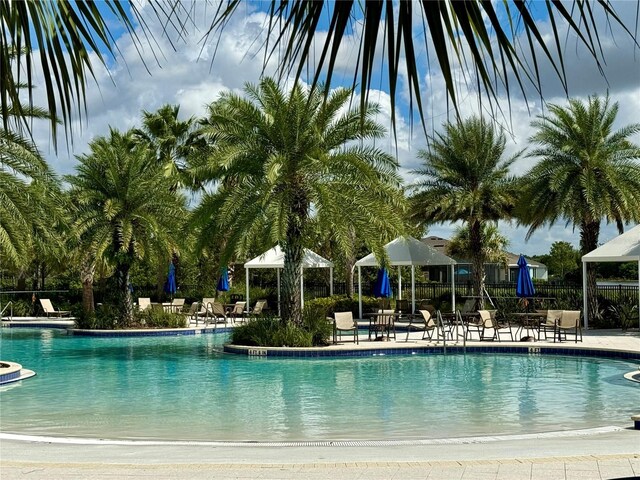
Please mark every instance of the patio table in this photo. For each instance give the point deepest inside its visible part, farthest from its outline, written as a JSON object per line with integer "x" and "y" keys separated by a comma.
{"x": 529, "y": 321}
{"x": 384, "y": 322}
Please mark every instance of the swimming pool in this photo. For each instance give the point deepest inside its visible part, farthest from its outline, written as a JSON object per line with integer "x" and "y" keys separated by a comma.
{"x": 185, "y": 388}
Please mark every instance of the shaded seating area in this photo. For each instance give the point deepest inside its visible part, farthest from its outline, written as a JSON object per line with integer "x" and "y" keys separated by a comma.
{"x": 49, "y": 311}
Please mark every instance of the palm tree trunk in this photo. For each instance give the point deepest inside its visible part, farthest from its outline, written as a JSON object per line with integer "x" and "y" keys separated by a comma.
{"x": 87, "y": 272}
{"x": 293, "y": 255}
{"x": 291, "y": 305}
{"x": 124, "y": 294}
{"x": 477, "y": 262}
{"x": 350, "y": 261}
{"x": 589, "y": 234}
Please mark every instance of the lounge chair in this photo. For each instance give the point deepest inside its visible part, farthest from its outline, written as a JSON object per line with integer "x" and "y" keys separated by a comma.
{"x": 424, "y": 322}
{"x": 569, "y": 320}
{"x": 205, "y": 309}
{"x": 48, "y": 309}
{"x": 218, "y": 313}
{"x": 237, "y": 312}
{"x": 144, "y": 303}
{"x": 344, "y": 322}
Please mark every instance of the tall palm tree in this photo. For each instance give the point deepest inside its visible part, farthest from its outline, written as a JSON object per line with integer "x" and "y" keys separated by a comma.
{"x": 46, "y": 33}
{"x": 124, "y": 207}
{"x": 171, "y": 138}
{"x": 465, "y": 177}
{"x": 293, "y": 158}
{"x": 588, "y": 172}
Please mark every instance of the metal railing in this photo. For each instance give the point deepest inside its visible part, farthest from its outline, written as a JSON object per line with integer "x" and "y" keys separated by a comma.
{"x": 4, "y": 309}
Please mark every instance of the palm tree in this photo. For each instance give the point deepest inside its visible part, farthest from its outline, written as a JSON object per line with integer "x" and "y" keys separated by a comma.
{"x": 294, "y": 159}
{"x": 124, "y": 208}
{"x": 29, "y": 192}
{"x": 587, "y": 173}
{"x": 85, "y": 32}
{"x": 171, "y": 138}
{"x": 466, "y": 178}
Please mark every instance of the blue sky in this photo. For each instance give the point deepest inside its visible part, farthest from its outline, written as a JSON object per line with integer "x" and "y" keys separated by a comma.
{"x": 186, "y": 75}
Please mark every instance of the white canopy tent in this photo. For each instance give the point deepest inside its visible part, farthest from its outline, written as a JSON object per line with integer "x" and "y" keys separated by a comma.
{"x": 274, "y": 258}
{"x": 408, "y": 251}
{"x": 623, "y": 248}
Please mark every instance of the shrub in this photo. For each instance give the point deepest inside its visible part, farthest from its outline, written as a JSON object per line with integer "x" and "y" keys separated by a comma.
{"x": 109, "y": 317}
{"x": 21, "y": 308}
{"x": 266, "y": 331}
{"x": 624, "y": 312}
{"x": 314, "y": 321}
{"x": 342, "y": 303}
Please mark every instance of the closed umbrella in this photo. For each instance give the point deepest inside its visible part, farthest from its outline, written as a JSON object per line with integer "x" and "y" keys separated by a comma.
{"x": 223, "y": 281}
{"x": 524, "y": 287}
{"x": 382, "y": 287}
{"x": 170, "y": 286}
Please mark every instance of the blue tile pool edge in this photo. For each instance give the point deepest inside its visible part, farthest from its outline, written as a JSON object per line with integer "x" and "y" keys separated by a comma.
{"x": 427, "y": 350}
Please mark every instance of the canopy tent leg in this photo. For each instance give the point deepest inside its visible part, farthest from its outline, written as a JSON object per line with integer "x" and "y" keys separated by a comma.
{"x": 278, "y": 280}
{"x": 360, "y": 292}
{"x": 331, "y": 281}
{"x": 413, "y": 289}
{"x": 453, "y": 288}
{"x": 638, "y": 293}
{"x": 399, "y": 284}
{"x": 584, "y": 295}
{"x": 247, "y": 297}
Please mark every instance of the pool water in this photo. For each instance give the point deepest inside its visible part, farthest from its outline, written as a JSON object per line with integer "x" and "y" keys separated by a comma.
{"x": 185, "y": 388}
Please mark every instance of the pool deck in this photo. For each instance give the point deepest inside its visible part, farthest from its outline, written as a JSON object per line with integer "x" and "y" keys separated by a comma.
{"x": 607, "y": 453}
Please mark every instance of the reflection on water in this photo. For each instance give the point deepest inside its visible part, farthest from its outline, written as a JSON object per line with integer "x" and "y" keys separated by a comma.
{"x": 186, "y": 388}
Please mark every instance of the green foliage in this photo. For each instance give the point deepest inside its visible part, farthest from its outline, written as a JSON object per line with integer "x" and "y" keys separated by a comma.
{"x": 287, "y": 161}
{"x": 625, "y": 312}
{"x": 271, "y": 332}
{"x": 21, "y": 308}
{"x": 314, "y": 321}
{"x": 562, "y": 259}
{"x": 109, "y": 317}
{"x": 342, "y": 303}
{"x": 494, "y": 243}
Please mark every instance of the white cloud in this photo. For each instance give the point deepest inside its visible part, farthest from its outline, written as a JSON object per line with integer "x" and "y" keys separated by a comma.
{"x": 187, "y": 76}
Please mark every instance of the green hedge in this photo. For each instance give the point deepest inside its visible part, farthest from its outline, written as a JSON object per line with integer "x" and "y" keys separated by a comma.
{"x": 109, "y": 317}
{"x": 342, "y": 303}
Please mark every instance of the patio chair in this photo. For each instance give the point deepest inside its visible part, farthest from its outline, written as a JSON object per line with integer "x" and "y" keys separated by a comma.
{"x": 549, "y": 323}
{"x": 489, "y": 321}
{"x": 423, "y": 322}
{"x": 177, "y": 304}
{"x": 384, "y": 303}
{"x": 569, "y": 320}
{"x": 344, "y": 322}
{"x": 205, "y": 307}
{"x": 383, "y": 321}
{"x": 192, "y": 314}
{"x": 476, "y": 324}
{"x": 237, "y": 312}
{"x": 144, "y": 303}
{"x": 217, "y": 313}
{"x": 258, "y": 308}
{"x": 48, "y": 309}
{"x": 236, "y": 297}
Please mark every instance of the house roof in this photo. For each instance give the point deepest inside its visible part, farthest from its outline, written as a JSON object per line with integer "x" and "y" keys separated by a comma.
{"x": 623, "y": 248}
{"x": 274, "y": 258}
{"x": 441, "y": 244}
{"x": 408, "y": 251}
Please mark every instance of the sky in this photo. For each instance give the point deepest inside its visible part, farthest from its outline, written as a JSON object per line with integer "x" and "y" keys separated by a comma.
{"x": 185, "y": 72}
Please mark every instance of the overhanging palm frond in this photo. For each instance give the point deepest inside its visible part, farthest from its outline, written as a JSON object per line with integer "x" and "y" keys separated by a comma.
{"x": 470, "y": 33}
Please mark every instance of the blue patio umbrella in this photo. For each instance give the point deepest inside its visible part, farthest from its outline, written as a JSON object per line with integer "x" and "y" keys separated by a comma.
{"x": 524, "y": 287}
{"x": 170, "y": 286}
{"x": 223, "y": 281}
{"x": 382, "y": 287}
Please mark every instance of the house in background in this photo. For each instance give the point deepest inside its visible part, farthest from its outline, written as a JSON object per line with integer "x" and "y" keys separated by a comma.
{"x": 495, "y": 272}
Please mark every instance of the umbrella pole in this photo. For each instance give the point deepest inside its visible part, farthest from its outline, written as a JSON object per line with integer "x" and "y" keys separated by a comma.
{"x": 247, "y": 275}
{"x": 584, "y": 295}
{"x": 453, "y": 288}
{"x": 278, "y": 277}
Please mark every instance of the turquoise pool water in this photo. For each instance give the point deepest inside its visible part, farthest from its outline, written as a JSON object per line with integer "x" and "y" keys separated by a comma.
{"x": 185, "y": 388}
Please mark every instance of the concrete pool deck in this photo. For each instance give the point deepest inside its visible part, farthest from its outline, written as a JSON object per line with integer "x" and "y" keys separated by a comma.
{"x": 606, "y": 453}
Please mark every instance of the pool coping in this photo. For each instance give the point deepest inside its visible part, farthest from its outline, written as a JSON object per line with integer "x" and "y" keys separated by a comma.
{"x": 413, "y": 349}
